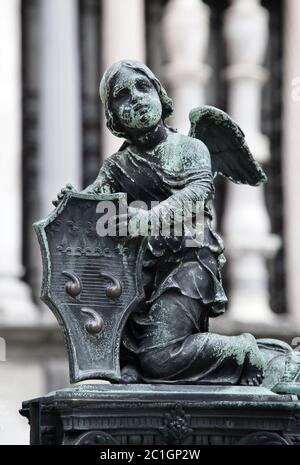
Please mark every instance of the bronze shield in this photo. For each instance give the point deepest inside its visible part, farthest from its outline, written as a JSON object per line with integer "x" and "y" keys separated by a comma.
{"x": 91, "y": 283}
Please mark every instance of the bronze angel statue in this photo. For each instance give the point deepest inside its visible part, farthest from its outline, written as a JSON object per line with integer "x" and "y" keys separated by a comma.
{"x": 167, "y": 338}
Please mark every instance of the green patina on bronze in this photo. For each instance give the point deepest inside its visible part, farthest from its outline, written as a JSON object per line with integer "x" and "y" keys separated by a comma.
{"x": 166, "y": 338}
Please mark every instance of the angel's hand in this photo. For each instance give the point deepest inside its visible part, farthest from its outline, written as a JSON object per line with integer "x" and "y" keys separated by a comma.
{"x": 133, "y": 223}
{"x": 62, "y": 193}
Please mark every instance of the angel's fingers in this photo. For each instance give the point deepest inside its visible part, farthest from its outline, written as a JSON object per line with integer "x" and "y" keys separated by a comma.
{"x": 58, "y": 199}
{"x": 63, "y": 192}
{"x": 68, "y": 188}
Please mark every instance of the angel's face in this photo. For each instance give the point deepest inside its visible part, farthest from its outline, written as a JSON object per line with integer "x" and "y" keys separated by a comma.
{"x": 135, "y": 101}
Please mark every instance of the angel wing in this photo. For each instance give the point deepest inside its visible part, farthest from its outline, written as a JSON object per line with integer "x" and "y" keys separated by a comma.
{"x": 230, "y": 154}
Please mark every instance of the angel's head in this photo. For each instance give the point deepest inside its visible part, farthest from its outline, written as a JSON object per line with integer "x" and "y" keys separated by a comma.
{"x": 133, "y": 97}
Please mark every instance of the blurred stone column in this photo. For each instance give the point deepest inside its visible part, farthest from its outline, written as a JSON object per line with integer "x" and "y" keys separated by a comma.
{"x": 246, "y": 225}
{"x": 16, "y": 307}
{"x": 123, "y": 37}
{"x": 291, "y": 157}
{"x": 186, "y": 33}
{"x": 60, "y": 105}
{"x": 60, "y": 100}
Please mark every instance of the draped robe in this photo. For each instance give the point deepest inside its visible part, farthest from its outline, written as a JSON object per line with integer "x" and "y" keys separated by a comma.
{"x": 183, "y": 286}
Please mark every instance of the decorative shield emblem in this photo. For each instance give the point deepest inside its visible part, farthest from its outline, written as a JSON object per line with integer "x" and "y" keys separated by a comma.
{"x": 91, "y": 283}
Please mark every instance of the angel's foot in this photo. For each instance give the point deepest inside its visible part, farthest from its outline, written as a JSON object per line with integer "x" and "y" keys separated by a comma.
{"x": 254, "y": 363}
{"x": 130, "y": 375}
{"x": 252, "y": 377}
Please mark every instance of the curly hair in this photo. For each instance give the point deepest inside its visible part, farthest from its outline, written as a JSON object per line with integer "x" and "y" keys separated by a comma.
{"x": 105, "y": 91}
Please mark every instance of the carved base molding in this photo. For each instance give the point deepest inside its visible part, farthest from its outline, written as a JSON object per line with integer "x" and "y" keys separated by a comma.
{"x": 107, "y": 414}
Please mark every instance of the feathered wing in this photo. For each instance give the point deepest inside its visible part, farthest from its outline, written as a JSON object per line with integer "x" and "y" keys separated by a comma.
{"x": 230, "y": 154}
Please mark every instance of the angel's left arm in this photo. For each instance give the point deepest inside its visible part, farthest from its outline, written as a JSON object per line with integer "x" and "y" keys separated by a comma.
{"x": 194, "y": 185}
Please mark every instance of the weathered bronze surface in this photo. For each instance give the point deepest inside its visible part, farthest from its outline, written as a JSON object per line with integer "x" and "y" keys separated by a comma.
{"x": 166, "y": 290}
{"x": 135, "y": 307}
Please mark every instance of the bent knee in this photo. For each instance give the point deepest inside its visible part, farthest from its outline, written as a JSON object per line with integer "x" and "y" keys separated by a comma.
{"x": 155, "y": 363}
